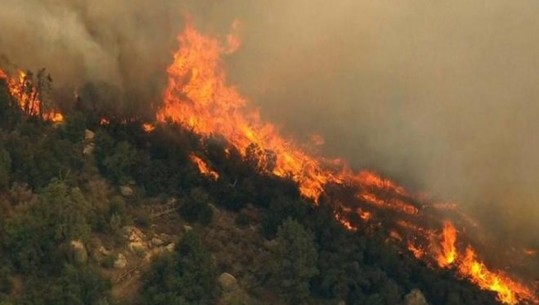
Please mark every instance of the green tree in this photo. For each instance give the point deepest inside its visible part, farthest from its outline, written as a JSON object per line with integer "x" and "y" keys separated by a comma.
{"x": 74, "y": 286}
{"x": 185, "y": 277}
{"x": 5, "y": 169}
{"x": 35, "y": 237}
{"x": 196, "y": 207}
{"x": 294, "y": 261}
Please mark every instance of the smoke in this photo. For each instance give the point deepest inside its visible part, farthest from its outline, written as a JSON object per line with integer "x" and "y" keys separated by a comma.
{"x": 443, "y": 96}
{"x": 124, "y": 44}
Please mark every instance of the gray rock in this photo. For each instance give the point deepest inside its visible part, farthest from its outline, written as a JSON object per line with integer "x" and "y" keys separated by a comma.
{"x": 138, "y": 248}
{"x": 227, "y": 282}
{"x": 170, "y": 247}
{"x": 415, "y": 297}
{"x": 166, "y": 238}
{"x": 126, "y": 190}
{"x": 156, "y": 242}
{"x": 80, "y": 255}
{"x": 88, "y": 149}
{"x": 103, "y": 251}
{"x": 120, "y": 262}
{"x": 89, "y": 135}
{"x": 187, "y": 228}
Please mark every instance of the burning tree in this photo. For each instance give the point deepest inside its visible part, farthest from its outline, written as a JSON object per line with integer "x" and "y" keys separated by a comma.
{"x": 31, "y": 93}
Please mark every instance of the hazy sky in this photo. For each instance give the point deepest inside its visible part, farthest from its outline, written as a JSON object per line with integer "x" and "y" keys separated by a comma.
{"x": 441, "y": 95}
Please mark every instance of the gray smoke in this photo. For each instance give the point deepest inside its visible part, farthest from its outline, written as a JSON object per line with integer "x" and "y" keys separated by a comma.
{"x": 125, "y": 44}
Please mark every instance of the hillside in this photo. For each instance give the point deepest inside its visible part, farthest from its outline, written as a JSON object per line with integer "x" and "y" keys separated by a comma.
{"x": 97, "y": 212}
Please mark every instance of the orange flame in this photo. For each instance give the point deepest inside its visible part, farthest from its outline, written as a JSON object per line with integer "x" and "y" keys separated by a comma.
{"x": 509, "y": 291}
{"x": 448, "y": 253}
{"x": 203, "y": 168}
{"x": 199, "y": 98}
{"x": 148, "y": 127}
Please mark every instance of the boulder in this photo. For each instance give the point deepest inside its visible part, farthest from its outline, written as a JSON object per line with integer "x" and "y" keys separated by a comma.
{"x": 89, "y": 135}
{"x": 88, "y": 149}
{"x": 157, "y": 242}
{"x": 138, "y": 248}
{"x": 80, "y": 255}
{"x": 126, "y": 191}
{"x": 133, "y": 233}
{"x": 103, "y": 251}
{"x": 166, "y": 238}
{"x": 187, "y": 228}
{"x": 120, "y": 262}
{"x": 170, "y": 247}
{"x": 227, "y": 282}
{"x": 415, "y": 297}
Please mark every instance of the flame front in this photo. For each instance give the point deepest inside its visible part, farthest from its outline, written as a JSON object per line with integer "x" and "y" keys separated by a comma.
{"x": 199, "y": 98}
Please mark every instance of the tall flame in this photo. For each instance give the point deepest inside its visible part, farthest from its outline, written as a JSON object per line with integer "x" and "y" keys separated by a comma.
{"x": 199, "y": 98}
{"x": 448, "y": 254}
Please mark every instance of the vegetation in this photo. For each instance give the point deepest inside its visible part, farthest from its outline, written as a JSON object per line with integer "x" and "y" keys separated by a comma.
{"x": 294, "y": 261}
{"x": 291, "y": 251}
{"x": 185, "y": 277}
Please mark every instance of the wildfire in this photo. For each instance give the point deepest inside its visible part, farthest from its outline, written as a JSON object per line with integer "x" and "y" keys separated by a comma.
{"x": 199, "y": 98}
{"x": 27, "y": 96}
{"x": 203, "y": 168}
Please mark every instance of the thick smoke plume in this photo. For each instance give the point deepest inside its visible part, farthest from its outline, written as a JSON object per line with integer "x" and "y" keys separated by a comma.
{"x": 441, "y": 95}
{"x": 112, "y": 50}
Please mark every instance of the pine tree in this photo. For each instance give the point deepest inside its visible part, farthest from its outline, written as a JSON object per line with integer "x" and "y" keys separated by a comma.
{"x": 294, "y": 261}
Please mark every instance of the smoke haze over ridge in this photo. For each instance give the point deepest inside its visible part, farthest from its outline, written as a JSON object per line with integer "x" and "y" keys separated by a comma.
{"x": 442, "y": 96}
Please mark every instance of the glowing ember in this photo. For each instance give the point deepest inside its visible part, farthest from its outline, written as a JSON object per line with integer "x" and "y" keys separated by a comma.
{"x": 345, "y": 222}
{"x": 199, "y": 98}
{"x": 148, "y": 127}
{"x": 416, "y": 251}
{"x": 365, "y": 215}
{"x": 530, "y": 252}
{"x": 203, "y": 168}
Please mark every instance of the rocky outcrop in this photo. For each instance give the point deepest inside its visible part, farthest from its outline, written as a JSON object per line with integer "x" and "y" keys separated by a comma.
{"x": 120, "y": 262}
{"x": 415, "y": 297}
{"x": 126, "y": 191}
{"x": 79, "y": 253}
{"x": 89, "y": 145}
{"x": 157, "y": 242}
{"x": 89, "y": 135}
{"x": 227, "y": 282}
